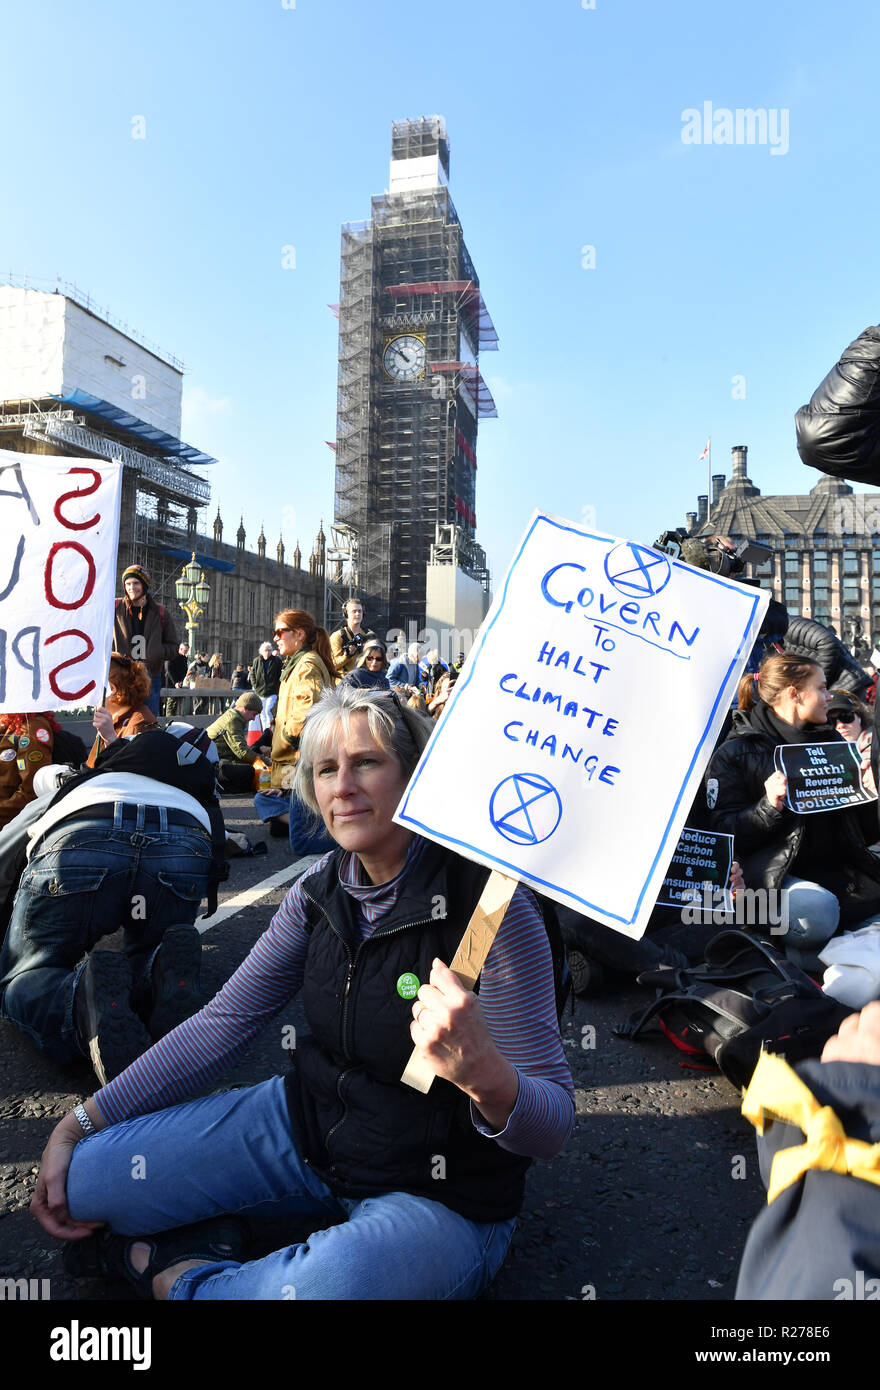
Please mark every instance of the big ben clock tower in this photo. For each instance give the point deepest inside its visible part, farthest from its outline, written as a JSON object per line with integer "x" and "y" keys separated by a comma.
{"x": 412, "y": 324}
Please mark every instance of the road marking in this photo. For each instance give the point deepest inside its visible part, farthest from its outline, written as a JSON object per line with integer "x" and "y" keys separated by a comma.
{"x": 249, "y": 896}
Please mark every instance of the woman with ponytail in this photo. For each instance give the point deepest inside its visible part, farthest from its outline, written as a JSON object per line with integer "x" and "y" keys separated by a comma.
{"x": 816, "y": 867}
{"x": 307, "y": 672}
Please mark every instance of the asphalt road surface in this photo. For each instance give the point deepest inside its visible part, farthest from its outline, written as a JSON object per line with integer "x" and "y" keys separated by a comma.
{"x": 652, "y": 1199}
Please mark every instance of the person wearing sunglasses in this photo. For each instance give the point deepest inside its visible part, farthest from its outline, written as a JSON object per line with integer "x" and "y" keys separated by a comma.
{"x": 307, "y": 672}
{"x": 369, "y": 673}
{"x": 852, "y": 720}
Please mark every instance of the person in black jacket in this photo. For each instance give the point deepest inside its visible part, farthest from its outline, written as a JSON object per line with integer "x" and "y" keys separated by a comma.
{"x": 132, "y": 843}
{"x": 807, "y": 638}
{"x": 838, "y": 432}
{"x": 265, "y": 679}
{"x": 820, "y": 862}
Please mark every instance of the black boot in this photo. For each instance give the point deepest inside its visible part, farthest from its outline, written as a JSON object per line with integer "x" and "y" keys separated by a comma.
{"x": 174, "y": 990}
{"x": 109, "y": 1031}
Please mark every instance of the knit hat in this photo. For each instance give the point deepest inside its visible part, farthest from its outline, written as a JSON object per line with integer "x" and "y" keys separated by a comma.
{"x": 137, "y": 572}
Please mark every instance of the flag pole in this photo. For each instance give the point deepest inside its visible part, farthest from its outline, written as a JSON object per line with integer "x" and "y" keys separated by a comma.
{"x": 709, "y": 481}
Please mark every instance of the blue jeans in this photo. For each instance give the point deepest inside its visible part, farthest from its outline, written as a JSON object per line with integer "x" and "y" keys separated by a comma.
{"x": 234, "y": 1154}
{"x": 813, "y": 914}
{"x": 152, "y": 700}
{"x": 86, "y": 878}
{"x": 308, "y": 834}
{"x": 268, "y": 710}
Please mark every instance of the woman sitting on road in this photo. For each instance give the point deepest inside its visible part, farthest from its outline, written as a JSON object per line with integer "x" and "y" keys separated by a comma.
{"x": 343, "y": 1139}
{"x": 819, "y": 862}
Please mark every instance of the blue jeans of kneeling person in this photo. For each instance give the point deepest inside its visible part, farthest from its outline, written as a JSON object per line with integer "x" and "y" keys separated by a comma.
{"x": 307, "y": 832}
{"x": 234, "y": 1154}
{"x": 87, "y": 877}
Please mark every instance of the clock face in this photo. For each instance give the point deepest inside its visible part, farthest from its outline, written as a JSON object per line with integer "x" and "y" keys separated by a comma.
{"x": 404, "y": 358}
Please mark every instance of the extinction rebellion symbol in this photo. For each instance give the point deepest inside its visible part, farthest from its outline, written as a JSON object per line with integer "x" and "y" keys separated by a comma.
{"x": 525, "y": 808}
{"x": 637, "y": 571}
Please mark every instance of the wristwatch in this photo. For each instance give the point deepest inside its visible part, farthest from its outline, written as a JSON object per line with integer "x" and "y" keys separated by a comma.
{"x": 85, "y": 1123}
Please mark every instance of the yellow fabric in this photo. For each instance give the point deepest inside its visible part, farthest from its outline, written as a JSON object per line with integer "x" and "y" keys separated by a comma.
{"x": 777, "y": 1093}
{"x": 299, "y": 691}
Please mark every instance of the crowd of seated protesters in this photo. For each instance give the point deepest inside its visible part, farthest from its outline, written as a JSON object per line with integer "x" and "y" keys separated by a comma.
{"x": 112, "y": 1006}
{"x": 820, "y": 863}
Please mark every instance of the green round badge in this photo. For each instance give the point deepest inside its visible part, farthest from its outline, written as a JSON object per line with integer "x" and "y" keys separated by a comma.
{"x": 408, "y": 986}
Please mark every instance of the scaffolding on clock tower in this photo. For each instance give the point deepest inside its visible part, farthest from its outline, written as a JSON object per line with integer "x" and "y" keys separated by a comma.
{"x": 406, "y": 451}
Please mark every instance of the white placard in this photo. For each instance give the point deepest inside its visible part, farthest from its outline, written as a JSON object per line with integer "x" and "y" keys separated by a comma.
{"x": 59, "y": 532}
{"x": 575, "y": 739}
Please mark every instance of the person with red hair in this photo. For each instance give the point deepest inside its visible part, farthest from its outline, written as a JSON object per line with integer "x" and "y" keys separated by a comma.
{"x": 125, "y": 712}
{"x": 307, "y": 672}
{"x": 25, "y": 746}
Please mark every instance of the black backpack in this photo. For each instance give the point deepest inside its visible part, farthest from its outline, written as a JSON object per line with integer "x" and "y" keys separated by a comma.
{"x": 744, "y": 998}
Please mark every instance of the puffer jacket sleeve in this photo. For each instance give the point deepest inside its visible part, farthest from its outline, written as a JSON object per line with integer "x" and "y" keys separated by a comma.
{"x": 810, "y": 639}
{"x": 805, "y": 637}
{"x": 735, "y": 796}
{"x": 839, "y": 431}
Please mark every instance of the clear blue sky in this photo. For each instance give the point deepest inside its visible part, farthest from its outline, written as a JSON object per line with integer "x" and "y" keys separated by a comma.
{"x": 269, "y": 126}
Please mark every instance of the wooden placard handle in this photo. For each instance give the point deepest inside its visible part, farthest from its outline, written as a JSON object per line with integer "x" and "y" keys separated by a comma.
{"x": 469, "y": 959}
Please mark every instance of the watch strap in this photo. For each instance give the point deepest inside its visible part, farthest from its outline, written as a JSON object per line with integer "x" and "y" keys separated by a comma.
{"x": 82, "y": 1117}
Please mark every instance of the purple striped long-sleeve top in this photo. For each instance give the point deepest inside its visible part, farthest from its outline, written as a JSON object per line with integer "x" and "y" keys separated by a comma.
{"x": 516, "y": 993}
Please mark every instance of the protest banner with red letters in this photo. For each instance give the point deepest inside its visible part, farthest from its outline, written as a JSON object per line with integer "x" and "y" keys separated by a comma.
{"x": 59, "y": 533}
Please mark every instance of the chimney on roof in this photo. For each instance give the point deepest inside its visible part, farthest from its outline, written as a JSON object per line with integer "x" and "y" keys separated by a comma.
{"x": 702, "y": 508}
{"x": 718, "y": 482}
{"x": 691, "y": 519}
{"x": 739, "y": 452}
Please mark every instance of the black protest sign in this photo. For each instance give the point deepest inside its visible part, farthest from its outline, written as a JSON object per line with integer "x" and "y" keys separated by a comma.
{"x": 821, "y": 776}
{"x": 701, "y": 857}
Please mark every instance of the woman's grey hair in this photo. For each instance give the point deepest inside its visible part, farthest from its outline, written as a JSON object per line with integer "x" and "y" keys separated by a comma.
{"x": 400, "y": 731}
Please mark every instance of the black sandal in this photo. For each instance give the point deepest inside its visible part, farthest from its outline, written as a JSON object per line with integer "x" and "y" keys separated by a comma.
{"x": 104, "y": 1254}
